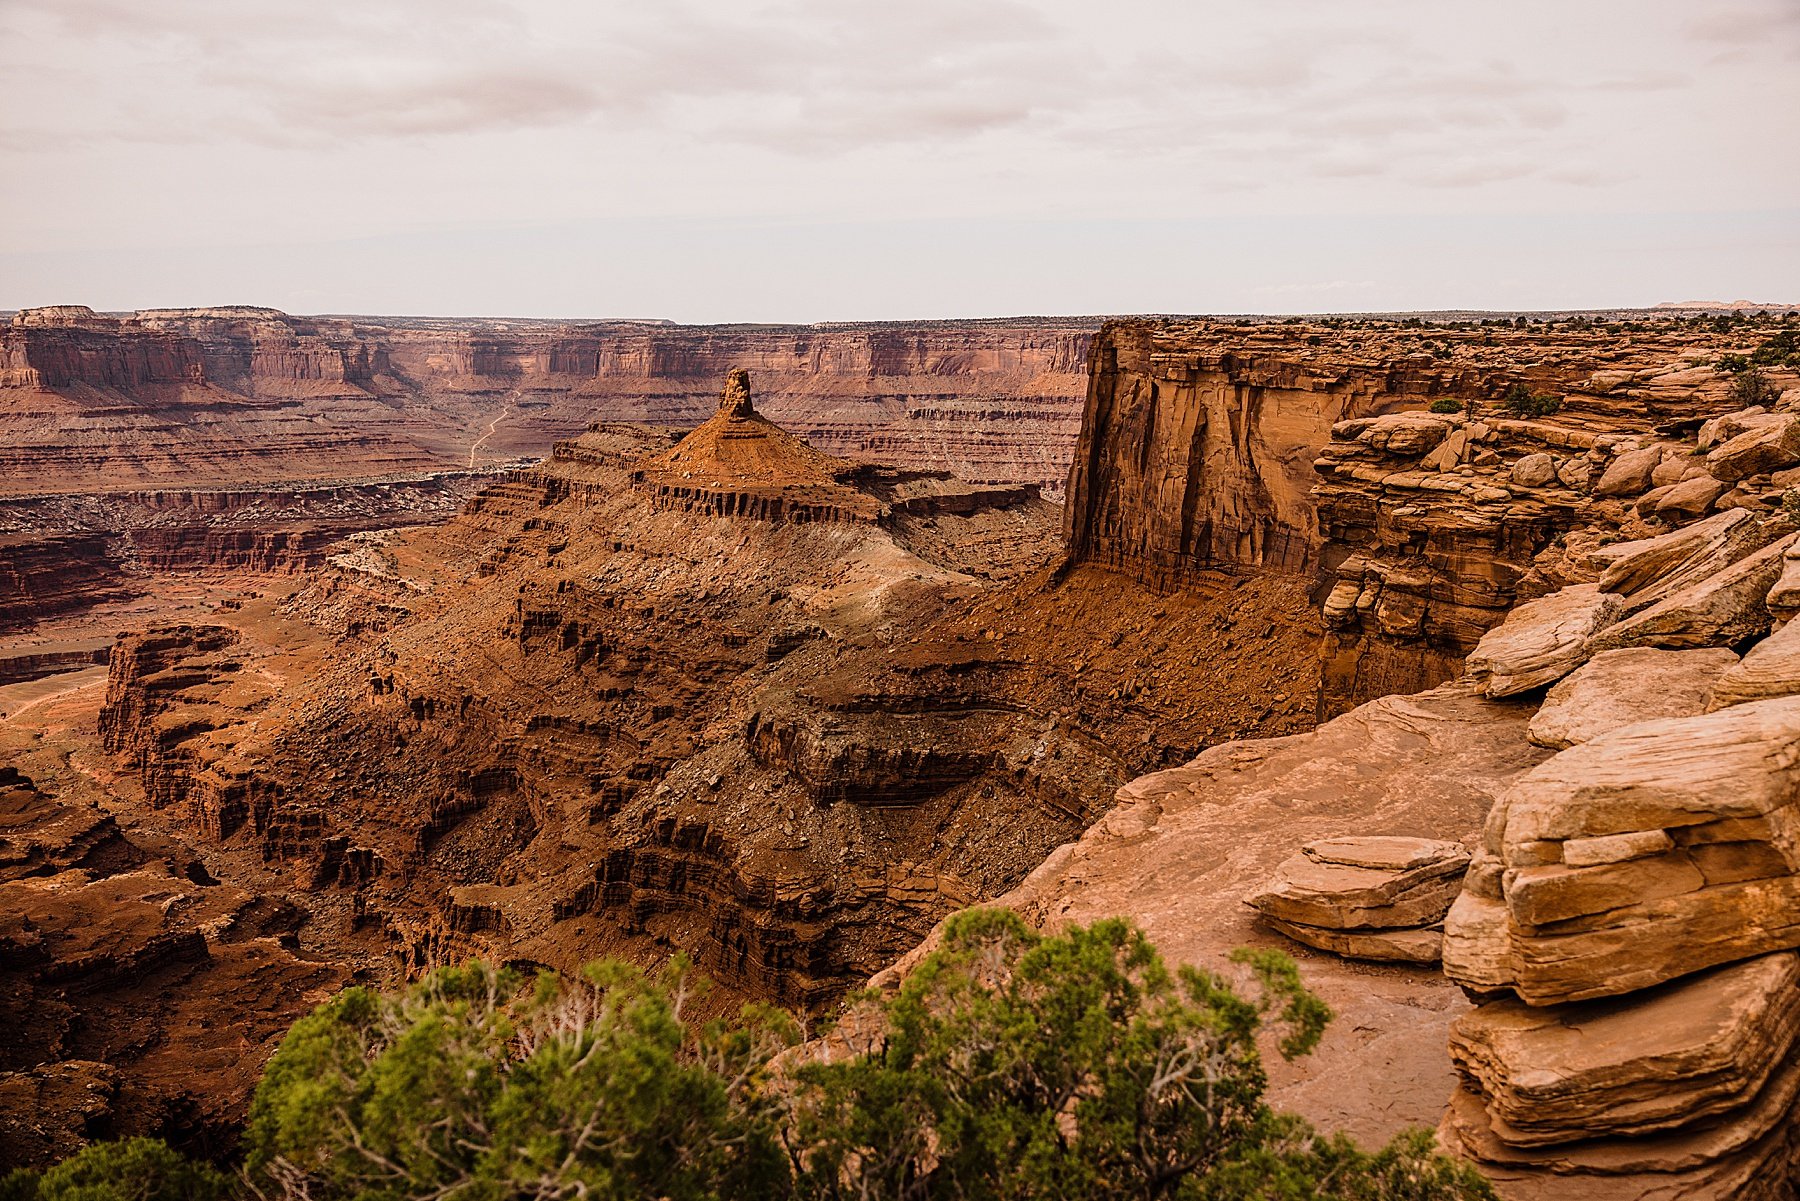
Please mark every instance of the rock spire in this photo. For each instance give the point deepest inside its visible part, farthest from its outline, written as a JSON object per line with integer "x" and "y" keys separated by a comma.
{"x": 734, "y": 401}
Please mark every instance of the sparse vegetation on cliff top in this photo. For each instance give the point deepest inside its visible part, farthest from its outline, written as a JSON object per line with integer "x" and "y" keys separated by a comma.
{"x": 1521, "y": 401}
{"x": 1008, "y": 1065}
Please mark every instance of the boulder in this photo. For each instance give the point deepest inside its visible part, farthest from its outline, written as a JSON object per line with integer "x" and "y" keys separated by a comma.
{"x": 1365, "y": 883}
{"x": 1646, "y": 504}
{"x": 1672, "y": 469}
{"x": 1408, "y": 435}
{"x": 1622, "y": 687}
{"x": 1583, "y": 922}
{"x": 1651, "y": 1062}
{"x": 1716, "y": 611}
{"x": 1784, "y": 598}
{"x": 1449, "y": 453}
{"x": 1629, "y": 473}
{"x": 1772, "y": 445}
{"x": 1770, "y": 669}
{"x": 1727, "y": 426}
{"x": 1689, "y": 499}
{"x": 1575, "y": 473}
{"x": 1541, "y": 641}
{"x": 1534, "y": 471}
{"x": 1649, "y": 569}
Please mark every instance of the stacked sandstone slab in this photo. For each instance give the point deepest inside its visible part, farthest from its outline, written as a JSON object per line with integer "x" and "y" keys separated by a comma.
{"x": 1631, "y": 916}
{"x": 1439, "y": 523}
{"x": 1380, "y": 898}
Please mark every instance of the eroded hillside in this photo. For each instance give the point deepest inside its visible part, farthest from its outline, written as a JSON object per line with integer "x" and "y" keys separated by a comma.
{"x": 731, "y": 694}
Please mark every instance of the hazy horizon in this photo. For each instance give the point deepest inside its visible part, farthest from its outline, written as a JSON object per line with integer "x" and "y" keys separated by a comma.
{"x": 807, "y": 161}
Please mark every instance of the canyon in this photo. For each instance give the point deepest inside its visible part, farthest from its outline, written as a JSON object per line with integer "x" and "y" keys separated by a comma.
{"x": 241, "y": 437}
{"x": 782, "y": 675}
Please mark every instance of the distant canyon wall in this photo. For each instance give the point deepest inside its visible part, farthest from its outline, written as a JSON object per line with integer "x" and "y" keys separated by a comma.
{"x": 91, "y": 401}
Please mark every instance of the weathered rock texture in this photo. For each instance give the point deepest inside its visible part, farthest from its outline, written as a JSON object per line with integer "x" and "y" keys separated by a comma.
{"x": 1198, "y": 441}
{"x": 1214, "y": 445}
{"x": 1366, "y": 897}
{"x": 138, "y": 994}
{"x": 1659, "y": 844}
{"x": 730, "y": 694}
{"x": 1623, "y": 687}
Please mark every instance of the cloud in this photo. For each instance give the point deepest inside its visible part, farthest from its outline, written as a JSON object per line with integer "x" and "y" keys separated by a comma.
{"x": 210, "y": 119}
{"x": 1747, "y": 24}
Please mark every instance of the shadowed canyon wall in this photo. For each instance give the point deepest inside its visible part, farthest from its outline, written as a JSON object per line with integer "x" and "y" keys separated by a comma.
{"x": 1210, "y": 445}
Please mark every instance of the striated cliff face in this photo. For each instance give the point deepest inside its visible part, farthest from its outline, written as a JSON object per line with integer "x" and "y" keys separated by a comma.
{"x": 1312, "y": 448}
{"x": 1198, "y": 441}
{"x": 98, "y": 402}
{"x": 46, "y": 577}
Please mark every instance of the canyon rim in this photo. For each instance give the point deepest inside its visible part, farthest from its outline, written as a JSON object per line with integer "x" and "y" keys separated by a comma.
{"x": 1175, "y": 600}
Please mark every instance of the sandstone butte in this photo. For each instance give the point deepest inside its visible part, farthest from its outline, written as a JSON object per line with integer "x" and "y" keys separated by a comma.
{"x": 1306, "y": 648}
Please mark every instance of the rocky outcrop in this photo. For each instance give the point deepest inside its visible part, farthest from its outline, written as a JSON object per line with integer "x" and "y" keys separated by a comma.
{"x": 1543, "y": 640}
{"x": 1429, "y": 506}
{"x": 1770, "y": 669}
{"x": 1627, "y": 919}
{"x": 1620, "y": 688}
{"x": 1198, "y": 441}
{"x": 1365, "y": 897}
{"x": 43, "y": 578}
{"x": 1641, "y": 855}
{"x": 116, "y": 966}
{"x": 1436, "y": 525}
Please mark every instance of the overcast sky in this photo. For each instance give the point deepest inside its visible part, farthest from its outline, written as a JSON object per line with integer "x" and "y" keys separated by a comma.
{"x": 808, "y": 160}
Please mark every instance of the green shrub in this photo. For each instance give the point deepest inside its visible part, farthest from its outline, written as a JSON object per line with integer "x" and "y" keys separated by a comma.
{"x": 1521, "y": 401}
{"x": 1781, "y": 348}
{"x": 1019, "y": 1066}
{"x": 1448, "y": 404}
{"x": 1752, "y": 387}
{"x": 597, "y": 1085}
{"x": 1732, "y": 363}
{"x": 1009, "y": 1066}
{"x": 137, "y": 1169}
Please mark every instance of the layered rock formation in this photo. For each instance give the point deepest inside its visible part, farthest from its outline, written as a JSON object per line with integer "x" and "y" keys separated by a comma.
{"x": 45, "y": 577}
{"x": 729, "y": 694}
{"x": 1198, "y": 441}
{"x": 786, "y": 710}
{"x": 1437, "y": 525}
{"x": 116, "y": 952}
{"x": 243, "y": 439}
{"x": 1380, "y": 898}
{"x": 1626, "y": 920}
{"x": 1653, "y": 846}
{"x": 241, "y": 394}
{"x": 1210, "y": 445}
